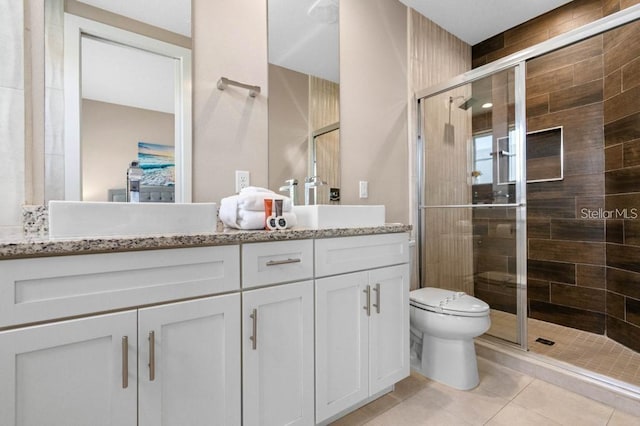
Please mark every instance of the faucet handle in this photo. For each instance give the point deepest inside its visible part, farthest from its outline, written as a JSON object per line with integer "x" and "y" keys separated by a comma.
{"x": 314, "y": 179}
{"x": 291, "y": 181}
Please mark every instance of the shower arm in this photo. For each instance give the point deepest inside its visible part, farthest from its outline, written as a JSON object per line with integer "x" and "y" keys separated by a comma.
{"x": 451, "y": 99}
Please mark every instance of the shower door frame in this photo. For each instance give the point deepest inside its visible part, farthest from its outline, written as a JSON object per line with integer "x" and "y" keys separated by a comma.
{"x": 520, "y": 185}
{"x": 517, "y": 61}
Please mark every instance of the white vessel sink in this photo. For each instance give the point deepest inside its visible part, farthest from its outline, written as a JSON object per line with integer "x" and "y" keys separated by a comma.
{"x": 82, "y": 219}
{"x": 324, "y": 216}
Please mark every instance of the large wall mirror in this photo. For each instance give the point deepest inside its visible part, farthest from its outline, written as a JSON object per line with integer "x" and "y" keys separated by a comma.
{"x": 304, "y": 92}
{"x": 122, "y": 97}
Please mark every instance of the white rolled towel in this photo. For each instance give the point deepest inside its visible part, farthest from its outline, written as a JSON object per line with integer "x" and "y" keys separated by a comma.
{"x": 233, "y": 216}
{"x": 252, "y": 198}
{"x": 250, "y": 189}
{"x": 254, "y": 201}
{"x": 255, "y": 220}
{"x": 228, "y": 212}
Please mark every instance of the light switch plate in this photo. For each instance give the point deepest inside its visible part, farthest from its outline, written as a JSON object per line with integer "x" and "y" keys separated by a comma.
{"x": 364, "y": 189}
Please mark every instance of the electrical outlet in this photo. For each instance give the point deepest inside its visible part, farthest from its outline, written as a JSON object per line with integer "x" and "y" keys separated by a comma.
{"x": 242, "y": 179}
{"x": 364, "y": 189}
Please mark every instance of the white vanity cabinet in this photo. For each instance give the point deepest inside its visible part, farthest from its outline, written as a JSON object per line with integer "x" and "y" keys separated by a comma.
{"x": 48, "y": 288}
{"x": 317, "y": 327}
{"x": 277, "y": 337}
{"x": 78, "y": 372}
{"x": 172, "y": 363}
{"x": 189, "y": 362}
{"x": 362, "y": 319}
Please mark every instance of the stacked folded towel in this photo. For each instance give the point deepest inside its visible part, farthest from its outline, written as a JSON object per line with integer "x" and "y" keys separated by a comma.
{"x": 246, "y": 209}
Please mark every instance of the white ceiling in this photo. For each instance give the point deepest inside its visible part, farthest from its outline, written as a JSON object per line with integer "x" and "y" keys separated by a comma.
{"x": 299, "y": 42}
{"x": 470, "y": 20}
{"x": 172, "y": 15}
{"x": 127, "y": 76}
{"x": 473, "y": 21}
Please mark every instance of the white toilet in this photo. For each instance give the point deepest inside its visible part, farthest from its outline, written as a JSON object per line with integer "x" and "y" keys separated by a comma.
{"x": 443, "y": 325}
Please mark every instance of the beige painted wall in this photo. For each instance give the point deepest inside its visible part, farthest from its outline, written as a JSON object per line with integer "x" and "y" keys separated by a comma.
{"x": 373, "y": 104}
{"x": 110, "y": 136}
{"x": 230, "y": 128}
{"x": 288, "y": 127}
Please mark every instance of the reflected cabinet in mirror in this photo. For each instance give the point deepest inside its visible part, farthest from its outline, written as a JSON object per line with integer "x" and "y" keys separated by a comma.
{"x": 304, "y": 92}
{"x": 124, "y": 98}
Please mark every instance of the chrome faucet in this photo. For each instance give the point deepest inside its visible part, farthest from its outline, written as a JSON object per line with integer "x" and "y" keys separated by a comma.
{"x": 291, "y": 187}
{"x": 312, "y": 183}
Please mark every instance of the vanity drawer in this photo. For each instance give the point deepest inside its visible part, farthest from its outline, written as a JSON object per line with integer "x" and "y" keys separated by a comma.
{"x": 46, "y": 288}
{"x": 276, "y": 262}
{"x": 349, "y": 254}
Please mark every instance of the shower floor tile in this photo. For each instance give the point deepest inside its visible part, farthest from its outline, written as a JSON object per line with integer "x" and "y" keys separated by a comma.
{"x": 593, "y": 352}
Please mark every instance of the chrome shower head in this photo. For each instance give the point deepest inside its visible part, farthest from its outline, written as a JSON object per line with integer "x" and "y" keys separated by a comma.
{"x": 467, "y": 103}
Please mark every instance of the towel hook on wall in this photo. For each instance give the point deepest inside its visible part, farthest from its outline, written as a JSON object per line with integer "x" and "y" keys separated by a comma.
{"x": 224, "y": 82}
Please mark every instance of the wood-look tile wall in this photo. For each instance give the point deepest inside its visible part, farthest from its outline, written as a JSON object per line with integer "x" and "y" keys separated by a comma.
{"x": 558, "y": 21}
{"x": 437, "y": 55}
{"x": 584, "y": 271}
{"x": 622, "y": 182}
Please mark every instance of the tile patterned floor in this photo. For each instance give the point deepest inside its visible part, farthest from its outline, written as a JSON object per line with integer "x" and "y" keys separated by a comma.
{"x": 592, "y": 352}
{"x": 504, "y": 397}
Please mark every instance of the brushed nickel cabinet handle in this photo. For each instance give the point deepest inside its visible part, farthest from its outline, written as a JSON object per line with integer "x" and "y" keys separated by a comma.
{"x": 283, "y": 262}
{"x": 377, "y": 304}
{"x": 152, "y": 356}
{"x": 125, "y": 362}
{"x": 254, "y": 335}
{"x": 367, "y": 308}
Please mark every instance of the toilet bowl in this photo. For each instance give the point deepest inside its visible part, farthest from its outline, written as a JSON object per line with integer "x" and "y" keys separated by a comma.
{"x": 443, "y": 325}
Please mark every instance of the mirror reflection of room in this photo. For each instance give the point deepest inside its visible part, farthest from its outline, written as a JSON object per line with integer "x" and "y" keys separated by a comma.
{"x": 117, "y": 90}
{"x": 127, "y": 116}
{"x": 304, "y": 98}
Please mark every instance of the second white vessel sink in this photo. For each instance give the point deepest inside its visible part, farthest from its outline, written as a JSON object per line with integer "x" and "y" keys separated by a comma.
{"x": 88, "y": 219}
{"x": 322, "y": 216}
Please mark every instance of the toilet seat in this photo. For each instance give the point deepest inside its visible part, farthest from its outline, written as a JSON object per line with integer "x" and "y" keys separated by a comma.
{"x": 448, "y": 302}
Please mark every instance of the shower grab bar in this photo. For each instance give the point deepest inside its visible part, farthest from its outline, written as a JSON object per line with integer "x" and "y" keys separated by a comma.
{"x": 486, "y": 206}
{"x": 224, "y": 82}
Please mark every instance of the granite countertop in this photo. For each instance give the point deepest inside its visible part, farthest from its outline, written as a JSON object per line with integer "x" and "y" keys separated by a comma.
{"x": 15, "y": 245}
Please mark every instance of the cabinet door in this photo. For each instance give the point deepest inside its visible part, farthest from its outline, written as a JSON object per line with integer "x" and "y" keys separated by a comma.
{"x": 189, "y": 362}
{"x": 78, "y": 372}
{"x": 342, "y": 343}
{"x": 389, "y": 327}
{"x": 278, "y": 355}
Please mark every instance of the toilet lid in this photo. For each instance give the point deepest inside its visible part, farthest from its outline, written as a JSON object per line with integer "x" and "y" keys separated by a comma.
{"x": 448, "y": 302}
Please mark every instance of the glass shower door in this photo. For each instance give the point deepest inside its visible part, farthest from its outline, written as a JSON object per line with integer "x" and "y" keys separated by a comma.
{"x": 472, "y": 195}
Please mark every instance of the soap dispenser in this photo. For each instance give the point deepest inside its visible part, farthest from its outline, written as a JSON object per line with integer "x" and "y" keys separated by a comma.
{"x": 134, "y": 176}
